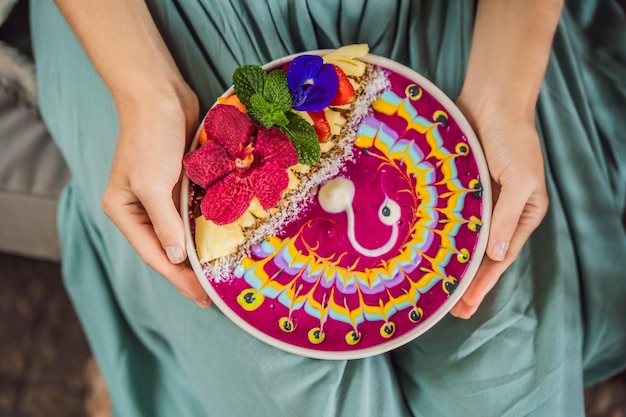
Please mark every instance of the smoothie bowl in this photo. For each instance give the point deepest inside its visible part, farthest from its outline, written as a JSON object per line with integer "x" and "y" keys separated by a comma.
{"x": 336, "y": 203}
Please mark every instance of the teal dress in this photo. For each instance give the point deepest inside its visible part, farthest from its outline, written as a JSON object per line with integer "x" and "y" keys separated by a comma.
{"x": 553, "y": 323}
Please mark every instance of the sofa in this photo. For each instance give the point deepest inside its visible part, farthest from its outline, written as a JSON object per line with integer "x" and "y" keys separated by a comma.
{"x": 32, "y": 170}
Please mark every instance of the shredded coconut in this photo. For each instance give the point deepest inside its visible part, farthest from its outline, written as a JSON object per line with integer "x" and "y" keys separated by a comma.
{"x": 294, "y": 201}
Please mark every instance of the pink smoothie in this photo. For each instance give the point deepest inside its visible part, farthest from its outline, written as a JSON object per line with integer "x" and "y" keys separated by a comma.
{"x": 354, "y": 274}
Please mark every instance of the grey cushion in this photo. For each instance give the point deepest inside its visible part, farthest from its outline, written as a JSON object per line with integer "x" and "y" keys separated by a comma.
{"x": 32, "y": 175}
{"x": 32, "y": 171}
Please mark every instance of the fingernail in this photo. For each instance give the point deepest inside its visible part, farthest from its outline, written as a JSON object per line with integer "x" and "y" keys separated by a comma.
{"x": 204, "y": 304}
{"x": 499, "y": 250}
{"x": 174, "y": 254}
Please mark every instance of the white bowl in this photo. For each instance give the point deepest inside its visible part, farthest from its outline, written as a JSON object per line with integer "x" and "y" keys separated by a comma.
{"x": 249, "y": 323}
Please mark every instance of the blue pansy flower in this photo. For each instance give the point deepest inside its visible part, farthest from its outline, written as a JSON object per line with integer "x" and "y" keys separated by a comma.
{"x": 312, "y": 83}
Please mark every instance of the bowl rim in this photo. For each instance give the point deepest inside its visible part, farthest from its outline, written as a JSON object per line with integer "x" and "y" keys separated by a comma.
{"x": 477, "y": 255}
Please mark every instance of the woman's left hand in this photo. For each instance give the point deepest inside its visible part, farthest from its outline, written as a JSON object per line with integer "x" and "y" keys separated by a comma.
{"x": 143, "y": 190}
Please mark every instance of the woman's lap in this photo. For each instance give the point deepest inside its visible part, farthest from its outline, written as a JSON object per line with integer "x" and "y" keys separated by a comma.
{"x": 521, "y": 354}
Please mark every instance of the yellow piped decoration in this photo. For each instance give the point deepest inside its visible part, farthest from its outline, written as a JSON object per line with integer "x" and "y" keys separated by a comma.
{"x": 474, "y": 224}
{"x": 250, "y": 299}
{"x": 462, "y": 149}
{"x": 388, "y": 329}
{"x": 353, "y": 337}
{"x": 416, "y": 314}
{"x": 286, "y": 325}
{"x": 440, "y": 114}
{"x": 316, "y": 336}
{"x": 473, "y": 183}
{"x": 463, "y": 256}
{"x": 413, "y": 92}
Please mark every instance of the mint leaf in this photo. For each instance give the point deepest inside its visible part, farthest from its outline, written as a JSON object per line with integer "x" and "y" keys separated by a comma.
{"x": 266, "y": 114}
{"x": 280, "y": 119}
{"x": 277, "y": 91}
{"x": 268, "y": 100}
{"x": 259, "y": 110}
{"x": 303, "y": 138}
{"x": 247, "y": 81}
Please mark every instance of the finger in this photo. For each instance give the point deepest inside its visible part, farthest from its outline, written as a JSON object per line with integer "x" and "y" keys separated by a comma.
{"x": 134, "y": 223}
{"x": 485, "y": 279}
{"x": 181, "y": 276}
{"x": 462, "y": 310}
{"x": 489, "y": 274}
{"x": 505, "y": 218}
{"x": 165, "y": 219}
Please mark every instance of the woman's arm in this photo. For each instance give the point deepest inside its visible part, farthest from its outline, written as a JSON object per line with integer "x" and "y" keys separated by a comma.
{"x": 124, "y": 45}
{"x": 510, "y": 47}
{"x": 158, "y": 112}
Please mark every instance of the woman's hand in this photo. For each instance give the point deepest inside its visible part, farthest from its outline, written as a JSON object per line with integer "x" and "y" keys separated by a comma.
{"x": 515, "y": 161}
{"x": 158, "y": 112}
{"x": 510, "y": 49}
{"x": 143, "y": 190}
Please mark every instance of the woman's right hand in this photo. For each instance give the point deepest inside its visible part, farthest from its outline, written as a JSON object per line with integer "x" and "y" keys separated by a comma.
{"x": 510, "y": 48}
{"x": 513, "y": 152}
{"x": 143, "y": 190}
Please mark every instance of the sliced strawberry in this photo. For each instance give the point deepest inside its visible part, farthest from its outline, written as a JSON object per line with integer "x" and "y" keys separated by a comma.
{"x": 345, "y": 91}
{"x": 321, "y": 125}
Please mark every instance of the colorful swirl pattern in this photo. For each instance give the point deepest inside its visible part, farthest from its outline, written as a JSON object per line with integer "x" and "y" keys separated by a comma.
{"x": 382, "y": 246}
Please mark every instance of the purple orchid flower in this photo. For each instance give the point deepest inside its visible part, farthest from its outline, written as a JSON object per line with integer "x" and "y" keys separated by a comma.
{"x": 313, "y": 83}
